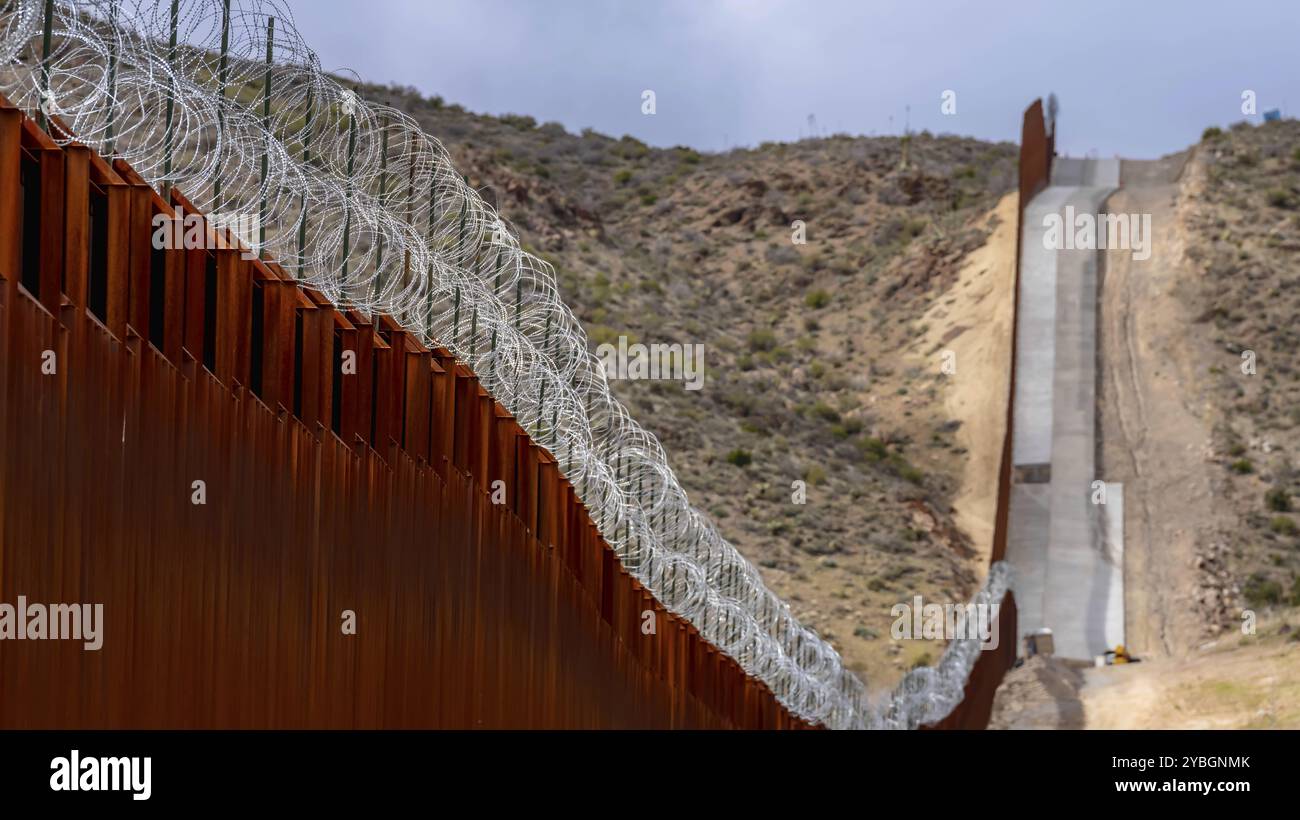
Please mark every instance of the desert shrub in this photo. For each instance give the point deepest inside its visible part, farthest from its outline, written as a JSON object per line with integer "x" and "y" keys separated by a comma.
{"x": 905, "y": 470}
{"x": 825, "y": 412}
{"x": 817, "y": 299}
{"x": 846, "y": 429}
{"x": 1278, "y": 499}
{"x": 761, "y": 339}
{"x": 521, "y": 122}
{"x": 778, "y": 355}
{"x": 873, "y": 448}
{"x": 740, "y": 400}
{"x": 740, "y": 458}
{"x": 1280, "y": 198}
{"x": 1282, "y": 525}
{"x": 1262, "y": 591}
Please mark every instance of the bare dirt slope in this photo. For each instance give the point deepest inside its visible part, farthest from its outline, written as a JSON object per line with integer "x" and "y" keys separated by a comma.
{"x": 1235, "y": 682}
{"x": 1041, "y": 694}
{"x": 1155, "y": 427}
{"x": 1199, "y": 390}
{"x": 972, "y": 320}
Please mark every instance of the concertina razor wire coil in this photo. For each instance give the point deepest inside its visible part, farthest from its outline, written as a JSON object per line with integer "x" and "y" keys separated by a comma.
{"x": 223, "y": 100}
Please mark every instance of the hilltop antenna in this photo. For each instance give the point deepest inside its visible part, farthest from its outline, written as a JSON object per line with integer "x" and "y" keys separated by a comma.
{"x": 906, "y": 141}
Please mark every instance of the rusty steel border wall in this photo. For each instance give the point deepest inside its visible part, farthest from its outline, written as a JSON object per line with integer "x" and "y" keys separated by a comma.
{"x": 322, "y": 491}
{"x": 366, "y": 491}
{"x": 1036, "y": 151}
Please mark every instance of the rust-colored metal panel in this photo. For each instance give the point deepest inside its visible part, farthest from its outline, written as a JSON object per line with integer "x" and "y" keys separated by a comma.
{"x": 234, "y": 332}
{"x": 526, "y": 480}
{"x": 117, "y": 257}
{"x": 357, "y": 383}
{"x": 197, "y": 261}
{"x": 548, "y": 508}
{"x": 444, "y": 404}
{"x": 11, "y": 203}
{"x": 390, "y": 375}
{"x": 140, "y": 243}
{"x": 484, "y": 410}
{"x": 501, "y": 463}
{"x": 416, "y": 441}
{"x": 461, "y": 418}
{"x": 116, "y": 248}
{"x": 278, "y": 347}
{"x": 317, "y": 354}
{"x": 225, "y": 611}
{"x": 76, "y": 217}
{"x": 173, "y": 317}
{"x": 52, "y": 227}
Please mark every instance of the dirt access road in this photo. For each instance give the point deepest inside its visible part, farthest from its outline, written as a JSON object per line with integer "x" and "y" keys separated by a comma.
{"x": 1154, "y": 433}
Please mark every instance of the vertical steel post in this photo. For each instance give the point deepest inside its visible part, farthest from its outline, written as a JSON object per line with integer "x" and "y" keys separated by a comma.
{"x": 347, "y": 210}
{"x": 171, "y": 101}
{"x": 266, "y": 126}
{"x": 112, "y": 77}
{"x": 46, "y": 44}
{"x": 223, "y": 78}
{"x": 302, "y": 208}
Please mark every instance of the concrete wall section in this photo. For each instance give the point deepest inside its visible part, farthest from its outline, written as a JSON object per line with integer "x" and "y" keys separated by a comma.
{"x": 1068, "y": 578}
{"x": 1036, "y": 335}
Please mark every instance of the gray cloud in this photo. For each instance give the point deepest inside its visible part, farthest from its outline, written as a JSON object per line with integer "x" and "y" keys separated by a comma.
{"x": 1134, "y": 78}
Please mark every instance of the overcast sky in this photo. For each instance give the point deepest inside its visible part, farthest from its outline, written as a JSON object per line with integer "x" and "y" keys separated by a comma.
{"x": 1139, "y": 78}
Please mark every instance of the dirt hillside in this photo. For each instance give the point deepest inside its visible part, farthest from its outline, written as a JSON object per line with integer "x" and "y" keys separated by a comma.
{"x": 822, "y": 358}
